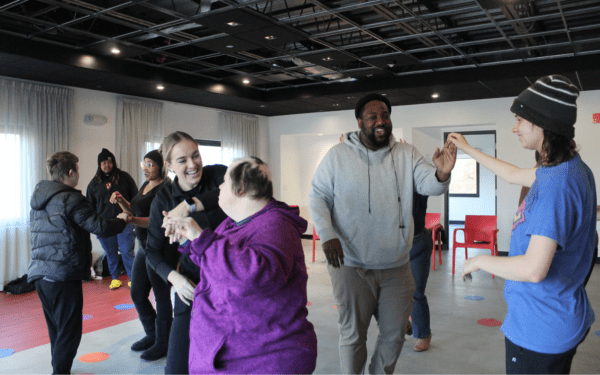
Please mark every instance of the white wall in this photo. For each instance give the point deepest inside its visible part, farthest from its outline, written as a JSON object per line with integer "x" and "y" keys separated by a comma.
{"x": 470, "y": 115}
{"x": 86, "y": 141}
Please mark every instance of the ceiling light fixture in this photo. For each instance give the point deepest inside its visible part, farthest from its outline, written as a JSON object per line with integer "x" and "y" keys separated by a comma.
{"x": 327, "y": 59}
{"x": 246, "y": 81}
{"x": 435, "y": 96}
{"x": 391, "y": 63}
{"x": 369, "y": 75}
{"x": 115, "y": 50}
{"x": 270, "y": 37}
{"x": 229, "y": 46}
{"x": 234, "y": 24}
{"x": 160, "y": 87}
{"x": 384, "y": 94}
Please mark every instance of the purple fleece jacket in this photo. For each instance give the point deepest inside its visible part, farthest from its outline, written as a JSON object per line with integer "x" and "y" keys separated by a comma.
{"x": 249, "y": 313}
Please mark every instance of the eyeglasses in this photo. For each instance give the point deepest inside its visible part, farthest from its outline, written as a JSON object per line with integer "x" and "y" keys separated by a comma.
{"x": 145, "y": 164}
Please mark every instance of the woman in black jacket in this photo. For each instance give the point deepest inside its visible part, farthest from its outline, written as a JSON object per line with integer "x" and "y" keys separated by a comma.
{"x": 143, "y": 278}
{"x": 195, "y": 189}
{"x": 61, "y": 222}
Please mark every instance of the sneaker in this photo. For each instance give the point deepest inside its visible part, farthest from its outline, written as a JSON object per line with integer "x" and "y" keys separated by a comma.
{"x": 422, "y": 344}
{"x": 409, "y": 330}
{"x": 115, "y": 284}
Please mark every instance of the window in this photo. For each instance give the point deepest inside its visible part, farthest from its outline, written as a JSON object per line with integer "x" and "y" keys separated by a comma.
{"x": 465, "y": 177}
{"x": 10, "y": 169}
{"x": 210, "y": 151}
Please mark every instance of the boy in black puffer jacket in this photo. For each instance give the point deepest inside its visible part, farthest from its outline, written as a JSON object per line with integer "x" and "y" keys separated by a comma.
{"x": 61, "y": 222}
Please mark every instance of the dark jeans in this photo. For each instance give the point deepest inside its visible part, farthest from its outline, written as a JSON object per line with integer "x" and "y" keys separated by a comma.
{"x": 523, "y": 361}
{"x": 124, "y": 241}
{"x": 179, "y": 340}
{"x": 143, "y": 279}
{"x": 420, "y": 262}
{"x": 62, "y": 302}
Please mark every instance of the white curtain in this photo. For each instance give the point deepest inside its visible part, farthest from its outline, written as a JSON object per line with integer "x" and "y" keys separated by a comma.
{"x": 139, "y": 123}
{"x": 34, "y": 123}
{"x": 239, "y": 136}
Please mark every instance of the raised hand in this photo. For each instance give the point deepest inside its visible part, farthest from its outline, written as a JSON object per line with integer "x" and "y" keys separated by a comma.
{"x": 444, "y": 160}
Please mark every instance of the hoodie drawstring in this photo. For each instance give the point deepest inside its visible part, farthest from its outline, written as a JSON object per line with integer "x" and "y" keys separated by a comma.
{"x": 369, "y": 175}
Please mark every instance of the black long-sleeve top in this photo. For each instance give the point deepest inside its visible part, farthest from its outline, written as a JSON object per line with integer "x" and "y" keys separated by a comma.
{"x": 99, "y": 194}
{"x": 162, "y": 256}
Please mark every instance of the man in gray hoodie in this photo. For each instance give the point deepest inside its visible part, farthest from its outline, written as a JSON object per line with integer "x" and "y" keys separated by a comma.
{"x": 361, "y": 204}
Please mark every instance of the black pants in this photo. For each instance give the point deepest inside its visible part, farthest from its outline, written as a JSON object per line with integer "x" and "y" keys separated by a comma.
{"x": 523, "y": 361}
{"x": 62, "y": 302}
{"x": 179, "y": 340}
{"x": 143, "y": 279}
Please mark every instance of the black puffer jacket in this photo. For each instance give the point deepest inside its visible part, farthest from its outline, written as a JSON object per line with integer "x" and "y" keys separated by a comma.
{"x": 61, "y": 221}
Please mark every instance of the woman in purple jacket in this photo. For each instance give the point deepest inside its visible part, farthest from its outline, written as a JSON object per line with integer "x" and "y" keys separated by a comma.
{"x": 249, "y": 313}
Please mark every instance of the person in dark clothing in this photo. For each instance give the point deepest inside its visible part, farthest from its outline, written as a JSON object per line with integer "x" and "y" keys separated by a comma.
{"x": 109, "y": 179}
{"x": 61, "y": 221}
{"x": 194, "y": 191}
{"x": 144, "y": 278}
{"x": 420, "y": 262}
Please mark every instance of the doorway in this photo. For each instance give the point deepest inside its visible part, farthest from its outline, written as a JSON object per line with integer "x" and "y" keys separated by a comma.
{"x": 473, "y": 187}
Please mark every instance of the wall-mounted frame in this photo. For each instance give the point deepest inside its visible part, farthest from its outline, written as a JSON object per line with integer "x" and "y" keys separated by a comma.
{"x": 465, "y": 178}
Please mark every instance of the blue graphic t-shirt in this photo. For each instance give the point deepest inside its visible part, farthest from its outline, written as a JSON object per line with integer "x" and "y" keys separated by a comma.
{"x": 552, "y": 316}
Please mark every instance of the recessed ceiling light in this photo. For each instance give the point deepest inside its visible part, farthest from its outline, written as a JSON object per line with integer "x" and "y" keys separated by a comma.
{"x": 435, "y": 96}
{"x": 369, "y": 75}
{"x": 233, "y": 24}
{"x": 229, "y": 46}
{"x": 246, "y": 81}
{"x": 327, "y": 59}
{"x": 275, "y": 65}
{"x": 218, "y": 88}
{"x": 262, "y": 105}
{"x": 160, "y": 87}
{"x": 384, "y": 94}
{"x": 115, "y": 50}
{"x": 336, "y": 105}
{"x": 270, "y": 37}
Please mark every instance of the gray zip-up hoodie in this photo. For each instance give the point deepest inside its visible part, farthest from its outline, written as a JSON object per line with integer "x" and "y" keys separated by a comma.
{"x": 364, "y": 198}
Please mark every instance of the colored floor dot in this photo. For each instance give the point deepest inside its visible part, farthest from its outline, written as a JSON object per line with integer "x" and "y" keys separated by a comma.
{"x": 489, "y": 322}
{"x": 6, "y": 352}
{"x": 335, "y": 306}
{"x": 87, "y": 317}
{"x": 597, "y": 333}
{"x": 308, "y": 304}
{"x": 124, "y": 306}
{"x": 94, "y": 357}
{"x": 474, "y": 298}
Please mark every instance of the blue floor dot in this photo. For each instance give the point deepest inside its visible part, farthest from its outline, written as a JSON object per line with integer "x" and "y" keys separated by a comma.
{"x": 87, "y": 317}
{"x": 6, "y": 352}
{"x": 474, "y": 298}
{"x": 125, "y": 306}
{"x": 597, "y": 333}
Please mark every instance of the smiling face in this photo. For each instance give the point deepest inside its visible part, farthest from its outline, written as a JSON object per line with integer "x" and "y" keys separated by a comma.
{"x": 106, "y": 166}
{"x": 151, "y": 170}
{"x": 531, "y": 136}
{"x": 186, "y": 163}
{"x": 375, "y": 125}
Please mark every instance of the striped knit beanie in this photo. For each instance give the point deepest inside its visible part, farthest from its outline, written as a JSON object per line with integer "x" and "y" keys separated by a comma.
{"x": 549, "y": 103}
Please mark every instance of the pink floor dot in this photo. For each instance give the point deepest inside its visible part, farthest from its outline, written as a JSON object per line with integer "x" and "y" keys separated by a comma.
{"x": 489, "y": 322}
{"x": 335, "y": 306}
{"x": 308, "y": 304}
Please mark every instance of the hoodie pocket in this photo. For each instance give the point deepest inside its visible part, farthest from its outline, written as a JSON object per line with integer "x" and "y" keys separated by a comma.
{"x": 205, "y": 357}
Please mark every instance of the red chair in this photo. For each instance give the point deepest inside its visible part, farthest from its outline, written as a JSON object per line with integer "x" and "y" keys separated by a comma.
{"x": 315, "y": 237}
{"x": 432, "y": 222}
{"x": 480, "y": 233}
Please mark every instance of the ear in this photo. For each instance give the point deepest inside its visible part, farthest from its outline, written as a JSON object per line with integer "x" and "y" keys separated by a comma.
{"x": 360, "y": 122}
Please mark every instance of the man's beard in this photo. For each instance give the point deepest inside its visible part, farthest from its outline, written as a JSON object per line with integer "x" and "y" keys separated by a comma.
{"x": 370, "y": 135}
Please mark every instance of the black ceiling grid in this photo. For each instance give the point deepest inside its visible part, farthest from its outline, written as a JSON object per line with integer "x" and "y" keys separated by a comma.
{"x": 297, "y": 56}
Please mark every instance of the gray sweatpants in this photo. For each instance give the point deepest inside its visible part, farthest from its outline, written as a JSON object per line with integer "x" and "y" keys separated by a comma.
{"x": 362, "y": 293}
